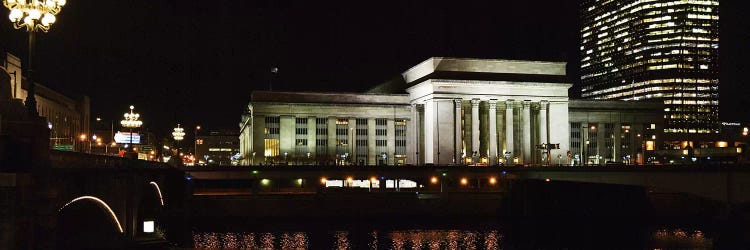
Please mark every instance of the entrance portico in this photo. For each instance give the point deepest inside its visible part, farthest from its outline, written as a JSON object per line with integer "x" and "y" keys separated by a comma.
{"x": 461, "y": 98}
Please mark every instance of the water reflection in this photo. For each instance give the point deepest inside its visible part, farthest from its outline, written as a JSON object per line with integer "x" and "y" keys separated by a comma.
{"x": 409, "y": 239}
{"x": 679, "y": 238}
{"x": 286, "y": 240}
{"x": 443, "y": 239}
{"x": 342, "y": 241}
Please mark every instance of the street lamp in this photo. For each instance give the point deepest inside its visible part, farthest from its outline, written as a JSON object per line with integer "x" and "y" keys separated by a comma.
{"x": 178, "y": 135}
{"x": 34, "y": 15}
{"x": 195, "y": 149}
{"x": 131, "y": 121}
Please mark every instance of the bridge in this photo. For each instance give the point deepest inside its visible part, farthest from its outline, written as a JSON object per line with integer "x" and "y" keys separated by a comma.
{"x": 125, "y": 193}
{"x": 725, "y": 183}
{"x": 119, "y": 196}
{"x": 46, "y": 194}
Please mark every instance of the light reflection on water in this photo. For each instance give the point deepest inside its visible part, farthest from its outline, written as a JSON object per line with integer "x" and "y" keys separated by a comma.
{"x": 410, "y": 239}
{"x": 285, "y": 240}
{"x": 679, "y": 238}
{"x": 341, "y": 240}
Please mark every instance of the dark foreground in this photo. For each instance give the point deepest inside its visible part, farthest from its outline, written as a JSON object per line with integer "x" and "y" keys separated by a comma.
{"x": 538, "y": 216}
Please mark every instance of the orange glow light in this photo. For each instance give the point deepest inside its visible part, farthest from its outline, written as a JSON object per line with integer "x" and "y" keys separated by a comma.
{"x": 434, "y": 180}
{"x": 323, "y": 180}
{"x": 464, "y": 181}
{"x": 493, "y": 180}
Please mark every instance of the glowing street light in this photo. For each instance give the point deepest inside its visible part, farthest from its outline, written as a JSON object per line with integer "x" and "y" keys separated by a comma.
{"x": 195, "y": 145}
{"x": 33, "y": 15}
{"x": 179, "y": 133}
{"x": 131, "y": 121}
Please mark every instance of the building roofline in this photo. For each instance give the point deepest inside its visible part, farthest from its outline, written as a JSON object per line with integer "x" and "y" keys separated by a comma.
{"x": 334, "y": 98}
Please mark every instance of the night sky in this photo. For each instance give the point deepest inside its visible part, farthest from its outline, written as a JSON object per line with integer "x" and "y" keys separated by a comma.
{"x": 196, "y": 62}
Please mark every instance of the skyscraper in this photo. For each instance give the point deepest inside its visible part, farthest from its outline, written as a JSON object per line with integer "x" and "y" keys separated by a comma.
{"x": 655, "y": 50}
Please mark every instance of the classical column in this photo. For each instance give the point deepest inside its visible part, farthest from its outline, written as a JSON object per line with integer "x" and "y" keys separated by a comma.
{"x": 543, "y": 127}
{"x": 391, "y": 143}
{"x": 372, "y": 155}
{"x": 413, "y": 137}
{"x": 287, "y": 133}
{"x": 418, "y": 134}
{"x": 493, "y": 132}
{"x": 352, "y": 139}
{"x": 430, "y": 126}
{"x": 526, "y": 123}
{"x": 457, "y": 131}
{"x": 331, "y": 151}
{"x": 311, "y": 139}
{"x": 474, "y": 128}
{"x": 509, "y": 130}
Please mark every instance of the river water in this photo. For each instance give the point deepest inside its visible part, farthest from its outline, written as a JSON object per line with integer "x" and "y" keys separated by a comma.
{"x": 568, "y": 234}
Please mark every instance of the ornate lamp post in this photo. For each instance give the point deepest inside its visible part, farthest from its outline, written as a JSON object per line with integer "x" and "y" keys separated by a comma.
{"x": 178, "y": 134}
{"x": 131, "y": 121}
{"x": 33, "y": 15}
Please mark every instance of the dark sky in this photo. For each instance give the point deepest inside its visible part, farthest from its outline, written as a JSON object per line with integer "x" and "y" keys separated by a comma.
{"x": 197, "y": 61}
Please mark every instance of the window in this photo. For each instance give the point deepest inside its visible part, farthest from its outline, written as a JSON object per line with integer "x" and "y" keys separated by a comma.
{"x": 321, "y": 137}
{"x": 271, "y": 141}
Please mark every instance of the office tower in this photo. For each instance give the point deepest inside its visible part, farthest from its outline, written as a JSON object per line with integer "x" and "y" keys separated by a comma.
{"x": 664, "y": 50}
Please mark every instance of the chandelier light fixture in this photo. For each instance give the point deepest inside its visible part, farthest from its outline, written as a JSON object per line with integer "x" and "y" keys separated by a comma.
{"x": 179, "y": 133}
{"x": 131, "y": 121}
{"x": 33, "y": 14}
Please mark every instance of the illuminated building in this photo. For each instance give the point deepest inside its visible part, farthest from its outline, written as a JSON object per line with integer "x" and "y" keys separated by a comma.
{"x": 67, "y": 117}
{"x": 216, "y": 147}
{"x": 659, "y": 50}
{"x": 446, "y": 111}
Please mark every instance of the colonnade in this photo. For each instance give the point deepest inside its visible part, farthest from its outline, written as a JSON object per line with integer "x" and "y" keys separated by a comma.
{"x": 455, "y": 135}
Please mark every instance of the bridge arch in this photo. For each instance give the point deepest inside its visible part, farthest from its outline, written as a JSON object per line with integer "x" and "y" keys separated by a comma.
{"x": 158, "y": 191}
{"x": 101, "y": 204}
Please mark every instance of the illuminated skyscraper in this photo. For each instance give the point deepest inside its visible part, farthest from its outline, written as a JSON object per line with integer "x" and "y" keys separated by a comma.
{"x": 654, "y": 50}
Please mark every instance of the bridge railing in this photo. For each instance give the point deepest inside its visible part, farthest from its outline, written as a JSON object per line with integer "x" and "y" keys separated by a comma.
{"x": 65, "y": 159}
{"x": 617, "y": 167}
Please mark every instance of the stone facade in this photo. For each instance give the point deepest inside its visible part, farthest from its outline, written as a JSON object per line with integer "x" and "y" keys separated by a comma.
{"x": 452, "y": 111}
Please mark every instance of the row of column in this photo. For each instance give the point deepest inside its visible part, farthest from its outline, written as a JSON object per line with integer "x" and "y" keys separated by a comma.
{"x": 427, "y": 132}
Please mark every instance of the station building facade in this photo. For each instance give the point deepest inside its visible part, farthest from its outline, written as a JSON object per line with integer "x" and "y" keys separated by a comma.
{"x": 450, "y": 111}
